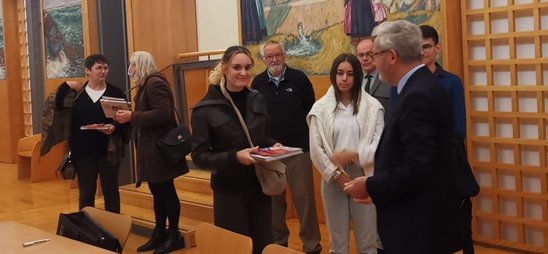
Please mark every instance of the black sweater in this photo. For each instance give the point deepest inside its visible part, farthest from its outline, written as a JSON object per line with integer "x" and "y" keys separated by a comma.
{"x": 288, "y": 104}
{"x": 84, "y": 112}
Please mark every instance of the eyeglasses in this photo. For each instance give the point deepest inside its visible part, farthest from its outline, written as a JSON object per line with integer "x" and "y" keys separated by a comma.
{"x": 427, "y": 47}
{"x": 374, "y": 54}
{"x": 369, "y": 55}
{"x": 101, "y": 68}
{"x": 277, "y": 56}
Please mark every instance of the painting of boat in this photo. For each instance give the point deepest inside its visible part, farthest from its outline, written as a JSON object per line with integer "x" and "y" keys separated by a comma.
{"x": 63, "y": 37}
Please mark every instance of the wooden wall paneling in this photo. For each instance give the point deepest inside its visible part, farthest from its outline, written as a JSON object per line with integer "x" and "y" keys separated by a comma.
{"x": 505, "y": 91}
{"x": 25, "y": 69}
{"x": 451, "y": 33}
{"x": 196, "y": 86}
{"x": 11, "y": 93}
{"x": 164, "y": 29}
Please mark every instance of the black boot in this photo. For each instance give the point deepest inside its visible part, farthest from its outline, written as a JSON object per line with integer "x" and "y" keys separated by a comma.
{"x": 174, "y": 242}
{"x": 158, "y": 237}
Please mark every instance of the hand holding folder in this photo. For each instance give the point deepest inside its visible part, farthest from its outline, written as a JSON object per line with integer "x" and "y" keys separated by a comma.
{"x": 110, "y": 105}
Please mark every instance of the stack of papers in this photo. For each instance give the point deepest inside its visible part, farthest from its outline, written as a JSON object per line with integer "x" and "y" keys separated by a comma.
{"x": 94, "y": 127}
{"x": 275, "y": 153}
{"x": 111, "y": 104}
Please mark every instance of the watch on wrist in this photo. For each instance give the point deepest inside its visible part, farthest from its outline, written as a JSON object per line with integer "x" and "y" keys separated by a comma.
{"x": 337, "y": 174}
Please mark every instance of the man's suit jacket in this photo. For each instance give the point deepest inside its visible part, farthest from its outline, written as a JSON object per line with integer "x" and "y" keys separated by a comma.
{"x": 380, "y": 90}
{"x": 413, "y": 185}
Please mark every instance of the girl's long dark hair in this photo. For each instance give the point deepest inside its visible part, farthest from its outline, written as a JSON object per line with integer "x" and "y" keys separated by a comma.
{"x": 358, "y": 76}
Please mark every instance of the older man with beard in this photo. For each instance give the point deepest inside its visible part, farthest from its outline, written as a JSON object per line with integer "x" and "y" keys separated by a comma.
{"x": 290, "y": 96}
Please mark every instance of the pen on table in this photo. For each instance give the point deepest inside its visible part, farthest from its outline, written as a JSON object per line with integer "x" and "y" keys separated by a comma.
{"x": 27, "y": 244}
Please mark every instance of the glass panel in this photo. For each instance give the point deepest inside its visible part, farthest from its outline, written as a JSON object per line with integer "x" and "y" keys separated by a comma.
{"x": 526, "y": 75}
{"x": 507, "y": 180}
{"x": 503, "y": 128}
{"x": 480, "y": 127}
{"x": 527, "y": 102}
{"x": 501, "y": 49}
{"x": 525, "y": 48}
{"x": 524, "y": 20}
{"x": 499, "y": 23}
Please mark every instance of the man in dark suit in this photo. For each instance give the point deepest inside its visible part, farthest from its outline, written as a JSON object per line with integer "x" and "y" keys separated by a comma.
{"x": 413, "y": 184}
{"x": 371, "y": 83}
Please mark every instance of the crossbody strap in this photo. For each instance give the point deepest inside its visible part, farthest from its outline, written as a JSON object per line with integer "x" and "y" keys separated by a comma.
{"x": 244, "y": 126}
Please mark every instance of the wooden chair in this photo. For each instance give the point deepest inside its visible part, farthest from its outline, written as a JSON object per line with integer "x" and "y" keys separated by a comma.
{"x": 31, "y": 165}
{"x": 119, "y": 225}
{"x": 278, "y": 249}
{"x": 211, "y": 239}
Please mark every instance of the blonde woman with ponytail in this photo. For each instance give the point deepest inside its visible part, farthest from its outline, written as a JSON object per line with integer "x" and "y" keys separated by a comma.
{"x": 219, "y": 143}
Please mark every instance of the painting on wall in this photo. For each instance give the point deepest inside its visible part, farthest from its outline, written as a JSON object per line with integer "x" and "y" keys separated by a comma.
{"x": 314, "y": 32}
{"x": 64, "y": 38}
{"x": 2, "y": 63}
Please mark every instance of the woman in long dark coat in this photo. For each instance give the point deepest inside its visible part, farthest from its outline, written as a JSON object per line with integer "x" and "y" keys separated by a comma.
{"x": 152, "y": 117}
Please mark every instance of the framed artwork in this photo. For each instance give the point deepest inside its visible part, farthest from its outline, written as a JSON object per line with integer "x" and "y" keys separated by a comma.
{"x": 63, "y": 38}
{"x": 2, "y": 63}
{"x": 314, "y": 32}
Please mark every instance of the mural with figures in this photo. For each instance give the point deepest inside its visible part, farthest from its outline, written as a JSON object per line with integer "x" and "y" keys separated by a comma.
{"x": 314, "y": 32}
{"x": 64, "y": 38}
{"x": 2, "y": 64}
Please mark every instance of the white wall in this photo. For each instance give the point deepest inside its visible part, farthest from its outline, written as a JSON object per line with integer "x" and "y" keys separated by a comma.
{"x": 217, "y": 24}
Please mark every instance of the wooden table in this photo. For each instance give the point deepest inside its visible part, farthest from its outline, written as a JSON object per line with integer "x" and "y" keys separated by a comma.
{"x": 14, "y": 234}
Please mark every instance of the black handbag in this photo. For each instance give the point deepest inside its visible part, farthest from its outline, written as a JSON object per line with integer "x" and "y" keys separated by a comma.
{"x": 175, "y": 144}
{"x": 66, "y": 168}
{"x": 81, "y": 227}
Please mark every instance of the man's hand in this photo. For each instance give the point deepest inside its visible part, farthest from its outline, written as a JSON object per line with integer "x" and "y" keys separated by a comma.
{"x": 357, "y": 188}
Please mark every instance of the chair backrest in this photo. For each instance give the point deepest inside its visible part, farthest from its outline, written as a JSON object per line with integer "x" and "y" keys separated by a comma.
{"x": 278, "y": 249}
{"x": 211, "y": 239}
{"x": 119, "y": 225}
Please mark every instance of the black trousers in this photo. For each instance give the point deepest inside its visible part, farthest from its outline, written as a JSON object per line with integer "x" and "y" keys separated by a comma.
{"x": 88, "y": 167}
{"x": 166, "y": 204}
{"x": 248, "y": 213}
{"x": 468, "y": 244}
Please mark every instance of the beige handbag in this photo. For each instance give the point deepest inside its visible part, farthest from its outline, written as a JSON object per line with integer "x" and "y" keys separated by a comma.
{"x": 271, "y": 174}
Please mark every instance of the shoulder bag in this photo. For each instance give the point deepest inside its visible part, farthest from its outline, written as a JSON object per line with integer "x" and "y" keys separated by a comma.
{"x": 176, "y": 144}
{"x": 271, "y": 174}
{"x": 81, "y": 227}
{"x": 66, "y": 168}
